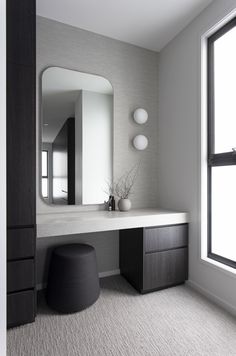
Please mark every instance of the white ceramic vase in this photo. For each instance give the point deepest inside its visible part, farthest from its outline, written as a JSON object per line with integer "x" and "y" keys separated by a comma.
{"x": 124, "y": 204}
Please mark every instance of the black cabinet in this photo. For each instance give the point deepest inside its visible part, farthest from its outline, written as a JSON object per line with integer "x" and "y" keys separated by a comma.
{"x": 20, "y": 243}
{"x": 21, "y": 32}
{"x": 20, "y": 307}
{"x": 20, "y": 275}
{"x": 20, "y": 146}
{"x": 165, "y": 268}
{"x": 154, "y": 258}
{"x": 21, "y": 162}
{"x": 165, "y": 237}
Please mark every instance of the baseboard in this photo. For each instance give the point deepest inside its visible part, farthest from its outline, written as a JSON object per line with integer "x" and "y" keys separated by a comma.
{"x": 220, "y": 302}
{"x": 109, "y": 273}
{"x": 114, "y": 272}
{"x": 41, "y": 286}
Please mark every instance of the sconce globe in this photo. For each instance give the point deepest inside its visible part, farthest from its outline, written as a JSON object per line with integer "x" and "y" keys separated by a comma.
{"x": 140, "y": 142}
{"x": 140, "y": 116}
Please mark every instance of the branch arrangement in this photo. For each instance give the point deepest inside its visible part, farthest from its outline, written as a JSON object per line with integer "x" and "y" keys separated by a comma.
{"x": 110, "y": 188}
{"x": 123, "y": 187}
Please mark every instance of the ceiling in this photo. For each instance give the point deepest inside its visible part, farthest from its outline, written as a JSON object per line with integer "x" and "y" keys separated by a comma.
{"x": 149, "y": 24}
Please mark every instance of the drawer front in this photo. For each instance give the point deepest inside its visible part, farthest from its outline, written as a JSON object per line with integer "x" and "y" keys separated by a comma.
{"x": 20, "y": 243}
{"x": 20, "y": 308}
{"x": 165, "y": 237}
{"x": 166, "y": 268}
{"x": 20, "y": 275}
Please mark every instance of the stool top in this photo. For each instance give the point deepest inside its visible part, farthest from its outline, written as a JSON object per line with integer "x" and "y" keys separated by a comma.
{"x": 73, "y": 250}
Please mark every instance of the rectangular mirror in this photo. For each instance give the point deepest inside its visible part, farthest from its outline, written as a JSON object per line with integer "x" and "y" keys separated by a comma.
{"x": 77, "y": 137}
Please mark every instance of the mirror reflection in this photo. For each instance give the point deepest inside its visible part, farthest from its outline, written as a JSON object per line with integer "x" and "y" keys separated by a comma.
{"x": 77, "y": 137}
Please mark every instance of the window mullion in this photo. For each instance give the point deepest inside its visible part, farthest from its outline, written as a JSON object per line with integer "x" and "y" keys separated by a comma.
{"x": 222, "y": 159}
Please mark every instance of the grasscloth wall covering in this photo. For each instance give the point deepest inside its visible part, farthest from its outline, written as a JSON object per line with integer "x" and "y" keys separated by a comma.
{"x": 133, "y": 73}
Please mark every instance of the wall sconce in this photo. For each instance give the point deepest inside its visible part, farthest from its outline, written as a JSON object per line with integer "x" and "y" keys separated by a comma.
{"x": 140, "y": 142}
{"x": 140, "y": 116}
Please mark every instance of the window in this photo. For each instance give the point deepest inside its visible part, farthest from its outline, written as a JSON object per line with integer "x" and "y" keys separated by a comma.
{"x": 45, "y": 174}
{"x": 222, "y": 145}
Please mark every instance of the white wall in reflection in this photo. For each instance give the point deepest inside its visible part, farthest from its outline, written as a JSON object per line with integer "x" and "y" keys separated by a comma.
{"x": 94, "y": 149}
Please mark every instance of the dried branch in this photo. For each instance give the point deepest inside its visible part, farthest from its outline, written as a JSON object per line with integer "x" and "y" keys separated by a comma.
{"x": 110, "y": 188}
{"x": 124, "y": 185}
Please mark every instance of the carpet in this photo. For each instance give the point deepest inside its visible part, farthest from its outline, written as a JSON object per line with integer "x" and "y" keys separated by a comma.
{"x": 172, "y": 322}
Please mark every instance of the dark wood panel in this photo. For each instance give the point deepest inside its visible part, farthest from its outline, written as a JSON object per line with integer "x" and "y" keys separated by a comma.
{"x": 165, "y": 237}
{"x": 20, "y": 243}
{"x": 163, "y": 269}
{"x": 131, "y": 256}
{"x": 20, "y": 275}
{"x": 71, "y": 160}
{"x": 20, "y": 308}
{"x": 21, "y": 157}
{"x": 21, "y": 31}
{"x": 20, "y": 146}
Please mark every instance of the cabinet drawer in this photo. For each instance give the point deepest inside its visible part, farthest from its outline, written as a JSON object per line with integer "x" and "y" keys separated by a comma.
{"x": 165, "y": 237}
{"x": 20, "y": 275}
{"x": 20, "y": 308}
{"x": 166, "y": 268}
{"x": 20, "y": 243}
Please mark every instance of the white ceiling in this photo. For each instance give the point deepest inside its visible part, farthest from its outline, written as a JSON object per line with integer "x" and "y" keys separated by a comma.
{"x": 149, "y": 24}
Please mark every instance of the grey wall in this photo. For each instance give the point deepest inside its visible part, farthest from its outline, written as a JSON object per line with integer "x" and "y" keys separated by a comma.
{"x": 106, "y": 245}
{"x": 179, "y": 158}
{"x": 133, "y": 73}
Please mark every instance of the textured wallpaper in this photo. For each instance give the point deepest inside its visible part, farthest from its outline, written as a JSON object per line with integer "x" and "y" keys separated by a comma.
{"x": 133, "y": 73}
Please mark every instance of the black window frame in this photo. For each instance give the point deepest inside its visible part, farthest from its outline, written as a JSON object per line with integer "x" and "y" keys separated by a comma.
{"x": 43, "y": 176}
{"x": 215, "y": 159}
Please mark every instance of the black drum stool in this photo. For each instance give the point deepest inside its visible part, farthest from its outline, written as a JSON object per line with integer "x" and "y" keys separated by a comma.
{"x": 73, "y": 282}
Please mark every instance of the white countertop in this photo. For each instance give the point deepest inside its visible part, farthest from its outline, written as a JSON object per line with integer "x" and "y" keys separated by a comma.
{"x": 93, "y": 221}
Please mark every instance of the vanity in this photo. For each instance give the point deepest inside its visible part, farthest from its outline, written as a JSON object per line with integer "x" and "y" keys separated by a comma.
{"x": 71, "y": 126}
{"x": 153, "y": 242}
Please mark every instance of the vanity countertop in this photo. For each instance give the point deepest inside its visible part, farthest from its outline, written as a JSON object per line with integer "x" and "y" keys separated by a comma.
{"x": 93, "y": 221}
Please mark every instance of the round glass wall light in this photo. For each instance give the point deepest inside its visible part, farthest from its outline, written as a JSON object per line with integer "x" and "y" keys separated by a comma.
{"x": 140, "y": 116}
{"x": 140, "y": 142}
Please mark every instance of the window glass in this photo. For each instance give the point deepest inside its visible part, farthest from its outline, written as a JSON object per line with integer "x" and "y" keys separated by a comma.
{"x": 225, "y": 91}
{"x": 44, "y": 163}
{"x": 45, "y": 187}
{"x": 223, "y": 227}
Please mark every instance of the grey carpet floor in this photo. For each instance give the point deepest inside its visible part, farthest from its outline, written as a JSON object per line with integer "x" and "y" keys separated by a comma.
{"x": 175, "y": 321}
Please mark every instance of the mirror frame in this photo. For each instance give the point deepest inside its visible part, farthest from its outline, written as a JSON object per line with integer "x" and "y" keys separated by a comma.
{"x": 40, "y": 132}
